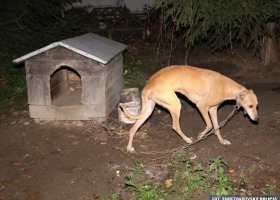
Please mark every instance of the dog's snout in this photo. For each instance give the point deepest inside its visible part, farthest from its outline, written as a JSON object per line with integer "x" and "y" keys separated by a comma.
{"x": 256, "y": 119}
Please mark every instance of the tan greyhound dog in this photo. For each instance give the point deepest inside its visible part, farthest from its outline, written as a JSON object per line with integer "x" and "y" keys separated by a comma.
{"x": 205, "y": 88}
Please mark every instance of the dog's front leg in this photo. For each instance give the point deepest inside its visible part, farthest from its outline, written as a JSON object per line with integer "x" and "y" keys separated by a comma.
{"x": 204, "y": 112}
{"x": 214, "y": 118}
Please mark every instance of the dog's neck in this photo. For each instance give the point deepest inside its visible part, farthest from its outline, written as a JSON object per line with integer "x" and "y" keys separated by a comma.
{"x": 233, "y": 93}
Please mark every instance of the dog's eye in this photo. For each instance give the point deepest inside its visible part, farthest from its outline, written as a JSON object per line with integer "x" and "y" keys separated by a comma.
{"x": 251, "y": 106}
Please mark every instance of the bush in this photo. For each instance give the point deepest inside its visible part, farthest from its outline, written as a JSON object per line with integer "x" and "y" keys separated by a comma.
{"x": 220, "y": 23}
{"x": 27, "y": 25}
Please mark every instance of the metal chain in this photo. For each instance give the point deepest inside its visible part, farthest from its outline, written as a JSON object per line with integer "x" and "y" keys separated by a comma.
{"x": 222, "y": 124}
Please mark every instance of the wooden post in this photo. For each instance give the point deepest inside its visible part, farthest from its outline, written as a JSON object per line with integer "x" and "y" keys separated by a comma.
{"x": 269, "y": 51}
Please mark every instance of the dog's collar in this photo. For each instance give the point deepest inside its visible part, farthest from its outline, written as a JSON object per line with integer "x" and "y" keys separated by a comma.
{"x": 237, "y": 106}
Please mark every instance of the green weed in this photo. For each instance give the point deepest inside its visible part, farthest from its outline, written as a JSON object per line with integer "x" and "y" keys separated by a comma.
{"x": 15, "y": 85}
{"x": 243, "y": 179}
{"x": 185, "y": 179}
{"x": 140, "y": 184}
{"x": 190, "y": 178}
{"x": 132, "y": 75}
{"x": 222, "y": 184}
{"x": 112, "y": 197}
{"x": 271, "y": 189}
{"x": 138, "y": 69}
{"x": 254, "y": 167}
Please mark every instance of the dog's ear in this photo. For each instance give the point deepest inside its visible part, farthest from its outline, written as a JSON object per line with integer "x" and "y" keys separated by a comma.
{"x": 240, "y": 96}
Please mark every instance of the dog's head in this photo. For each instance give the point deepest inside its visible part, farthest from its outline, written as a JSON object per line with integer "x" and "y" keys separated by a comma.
{"x": 248, "y": 100}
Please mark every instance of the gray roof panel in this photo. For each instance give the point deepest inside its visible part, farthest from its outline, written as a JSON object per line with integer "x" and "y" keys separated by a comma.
{"x": 89, "y": 45}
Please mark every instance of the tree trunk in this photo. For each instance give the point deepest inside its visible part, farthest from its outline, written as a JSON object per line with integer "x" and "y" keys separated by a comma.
{"x": 269, "y": 51}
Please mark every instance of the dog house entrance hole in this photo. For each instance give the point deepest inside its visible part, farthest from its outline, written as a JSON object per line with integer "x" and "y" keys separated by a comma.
{"x": 66, "y": 87}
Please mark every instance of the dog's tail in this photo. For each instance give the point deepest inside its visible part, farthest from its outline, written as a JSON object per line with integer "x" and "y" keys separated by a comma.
{"x": 145, "y": 100}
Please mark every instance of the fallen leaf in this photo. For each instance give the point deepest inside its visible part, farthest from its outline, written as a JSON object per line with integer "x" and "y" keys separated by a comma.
{"x": 168, "y": 183}
{"x": 17, "y": 164}
{"x": 235, "y": 181}
{"x": 231, "y": 170}
{"x": 193, "y": 157}
{"x": 257, "y": 158}
{"x": 75, "y": 143}
{"x": 71, "y": 136}
{"x": 24, "y": 175}
{"x": 5, "y": 184}
{"x": 58, "y": 150}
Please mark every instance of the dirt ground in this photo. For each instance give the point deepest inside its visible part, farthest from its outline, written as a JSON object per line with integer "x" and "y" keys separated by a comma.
{"x": 86, "y": 160}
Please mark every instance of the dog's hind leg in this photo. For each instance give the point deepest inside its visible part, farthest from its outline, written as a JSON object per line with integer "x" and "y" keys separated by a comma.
{"x": 175, "y": 114}
{"x": 170, "y": 101}
{"x": 214, "y": 118}
{"x": 138, "y": 123}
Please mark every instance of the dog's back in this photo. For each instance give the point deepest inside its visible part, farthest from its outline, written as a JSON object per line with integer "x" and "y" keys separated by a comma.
{"x": 195, "y": 83}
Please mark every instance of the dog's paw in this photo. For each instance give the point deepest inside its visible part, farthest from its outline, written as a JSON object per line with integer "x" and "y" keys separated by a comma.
{"x": 188, "y": 140}
{"x": 200, "y": 136}
{"x": 130, "y": 149}
{"x": 225, "y": 142}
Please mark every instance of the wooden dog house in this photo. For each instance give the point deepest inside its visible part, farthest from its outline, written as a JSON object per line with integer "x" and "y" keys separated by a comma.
{"x": 78, "y": 78}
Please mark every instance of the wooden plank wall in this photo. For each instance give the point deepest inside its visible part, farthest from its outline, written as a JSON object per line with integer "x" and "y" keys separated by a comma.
{"x": 114, "y": 82}
{"x": 38, "y": 90}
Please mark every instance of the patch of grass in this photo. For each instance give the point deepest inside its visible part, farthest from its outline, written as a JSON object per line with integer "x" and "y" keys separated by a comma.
{"x": 112, "y": 197}
{"x": 15, "y": 85}
{"x": 191, "y": 178}
{"x": 145, "y": 190}
{"x": 132, "y": 75}
{"x": 243, "y": 180}
{"x": 270, "y": 188}
{"x": 185, "y": 178}
{"x": 138, "y": 69}
{"x": 254, "y": 167}
{"x": 222, "y": 184}
{"x": 141, "y": 185}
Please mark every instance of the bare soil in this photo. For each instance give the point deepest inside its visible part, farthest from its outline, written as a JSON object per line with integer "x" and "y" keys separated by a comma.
{"x": 85, "y": 160}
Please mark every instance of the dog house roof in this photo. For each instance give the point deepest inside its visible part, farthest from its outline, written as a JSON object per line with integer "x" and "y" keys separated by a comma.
{"x": 89, "y": 45}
